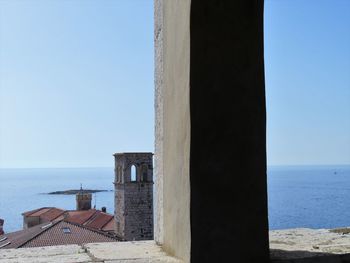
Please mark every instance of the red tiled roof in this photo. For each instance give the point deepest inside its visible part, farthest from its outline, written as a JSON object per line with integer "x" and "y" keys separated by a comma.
{"x": 16, "y": 239}
{"x": 32, "y": 211}
{"x": 46, "y": 213}
{"x": 55, "y": 235}
{"x": 110, "y": 226}
{"x": 91, "y": 218}
{"x": 40, "y": 212}
{"x": 80, "y": 217}
{"x": 99, "y": 220}
{"x": 61, "y": 217}
{"x": 52, "y": 234}
{"x": 52, "y": 214}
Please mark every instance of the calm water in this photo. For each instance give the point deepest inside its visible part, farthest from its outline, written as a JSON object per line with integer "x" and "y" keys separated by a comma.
{"x": 21, "y": 190}
{"x": 308, "y": 196}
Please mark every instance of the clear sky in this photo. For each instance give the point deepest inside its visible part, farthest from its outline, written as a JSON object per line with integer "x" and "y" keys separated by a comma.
{"x": 76, "y": 81}
{"x": 307, "y": 63}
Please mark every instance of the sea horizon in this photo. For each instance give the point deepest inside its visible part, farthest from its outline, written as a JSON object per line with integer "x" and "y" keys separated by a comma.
{"x": 93, "y": 167}
{"x": 312, "y": 196}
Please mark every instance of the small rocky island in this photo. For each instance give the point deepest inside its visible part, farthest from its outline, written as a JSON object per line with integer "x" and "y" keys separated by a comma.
{"x": 73, "y": 192}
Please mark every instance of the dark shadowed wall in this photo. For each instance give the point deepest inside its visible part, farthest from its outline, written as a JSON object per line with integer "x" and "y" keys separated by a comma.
{"x": 228, "y": 207}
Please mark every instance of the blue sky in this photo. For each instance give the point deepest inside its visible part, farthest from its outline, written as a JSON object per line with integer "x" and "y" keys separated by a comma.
{"x": 76, "y": 81}
{"x": 307, "y": 64}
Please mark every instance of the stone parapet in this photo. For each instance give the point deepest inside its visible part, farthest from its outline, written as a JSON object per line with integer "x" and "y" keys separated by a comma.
{"x": 303, "y": 245}
{"x": 135, "y": 252}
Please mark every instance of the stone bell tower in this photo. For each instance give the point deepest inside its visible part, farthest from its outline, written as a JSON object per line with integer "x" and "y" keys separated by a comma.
{"x": 83, "y": 200}
{"x": 134, "y": 195}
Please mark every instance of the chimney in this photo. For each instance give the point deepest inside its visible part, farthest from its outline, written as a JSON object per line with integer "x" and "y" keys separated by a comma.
{"x": 1, "y": 226}
{"x": 83, "y": 200}
{"x": 104, "y": 209}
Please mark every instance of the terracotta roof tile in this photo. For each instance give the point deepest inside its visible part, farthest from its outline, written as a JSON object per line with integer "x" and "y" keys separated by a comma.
{"x": 64, "y": 233}
{"x": 110, "y": 226}
{"x": 99, "y": 220}
{"x": 16, "y": 239}
{"x": 52, "y": 234}
{"x": 61, "y": 217}
{"x": 40, "y": 212}
{"x": 80, "y": 217}
{"x": 52, "y": 214}
{"x": 27, "y": 213}
{"x": 48, "y": 213}
{"x": 92, "y": 218}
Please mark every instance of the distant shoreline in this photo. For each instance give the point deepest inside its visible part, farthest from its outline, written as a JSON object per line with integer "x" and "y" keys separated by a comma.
{"x": 112, "y": 168}
{"x": 75, "y": 191}
{"x": 61, "y": 168}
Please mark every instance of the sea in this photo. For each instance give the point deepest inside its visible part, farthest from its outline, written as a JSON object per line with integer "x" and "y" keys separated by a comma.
{"x": 26, "y": 189}
{"x": 298, "y": 196}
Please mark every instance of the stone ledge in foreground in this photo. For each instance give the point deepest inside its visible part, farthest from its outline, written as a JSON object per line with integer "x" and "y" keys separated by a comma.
{"x": 115, "y": 252}
{"x": 304, "y": 245}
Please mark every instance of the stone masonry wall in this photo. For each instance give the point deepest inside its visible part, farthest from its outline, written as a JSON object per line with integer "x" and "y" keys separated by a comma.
{"x": 134, "y": 199}
{"x": 119, "y": 210}
{"x": 139, "y": 211}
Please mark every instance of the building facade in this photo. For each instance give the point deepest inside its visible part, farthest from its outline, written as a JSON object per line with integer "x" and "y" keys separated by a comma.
{"x": 134, "y": 195}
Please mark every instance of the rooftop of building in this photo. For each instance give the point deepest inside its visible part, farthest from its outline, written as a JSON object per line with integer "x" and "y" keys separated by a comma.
{"x": 92, "y": 218}
{"x": 53, "y": 234}
{"x": 48, "y": 213}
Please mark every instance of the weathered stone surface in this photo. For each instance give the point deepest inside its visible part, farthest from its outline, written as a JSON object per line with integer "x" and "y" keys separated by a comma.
{"x": 294, "y": 245}
{"x": 134, "y": 198}
{"x": 125, "y": 250}
{"x": 54, "y": 254}
{"x": 158, "y": 108}
{"x": 116, "y": 252}
{"x": 147, "y": 260}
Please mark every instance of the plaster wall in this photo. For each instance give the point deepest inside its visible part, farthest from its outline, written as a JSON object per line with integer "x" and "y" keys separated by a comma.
{"x": 172, "y": 146}
{"x": 211, "y": 138}
{"x": 158, "y": 109}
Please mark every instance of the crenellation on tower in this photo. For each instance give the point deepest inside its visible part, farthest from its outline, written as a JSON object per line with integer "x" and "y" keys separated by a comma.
{"x": 134, "y": 196}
